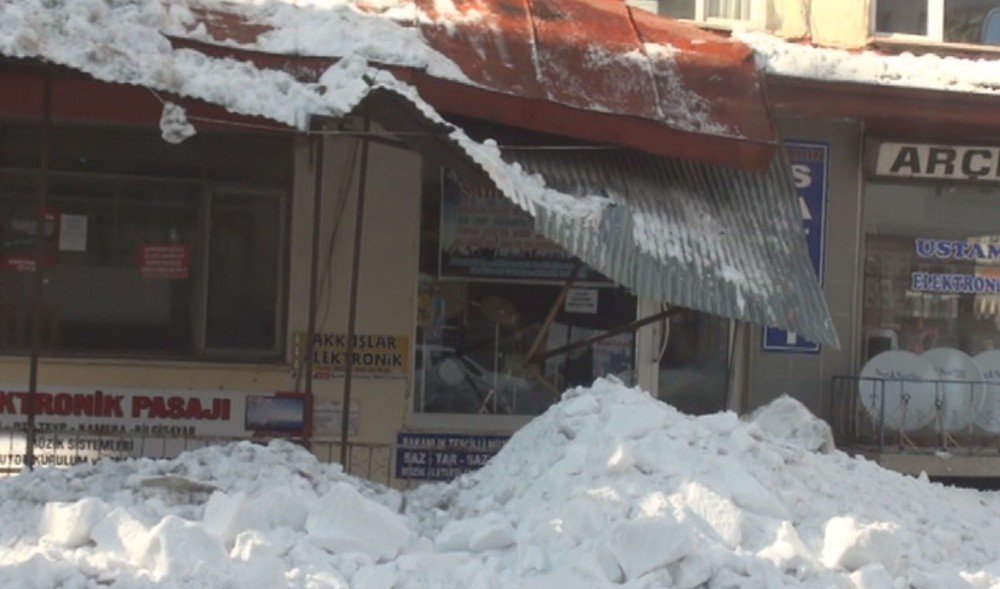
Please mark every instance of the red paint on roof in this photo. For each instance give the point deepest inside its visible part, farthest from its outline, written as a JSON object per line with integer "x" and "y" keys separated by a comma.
{"x": 593, "y": 70}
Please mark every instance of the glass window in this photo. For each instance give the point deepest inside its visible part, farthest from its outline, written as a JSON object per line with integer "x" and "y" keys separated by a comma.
{"x": 728, "y": 9}
{"x": 965, "y": 21}
{"x": 487, "y": 285}
{"x": 145, "y": 256}
{"x": 957, "y": 21}
{"x": 677, "y": 8}
{"x": 901, "y": 16}
{"x": 694, "y": 363}
{"x": 931, "y": 264}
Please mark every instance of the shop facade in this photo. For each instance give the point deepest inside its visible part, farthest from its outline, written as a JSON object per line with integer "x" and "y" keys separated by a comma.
{"x": 911, "y": 223}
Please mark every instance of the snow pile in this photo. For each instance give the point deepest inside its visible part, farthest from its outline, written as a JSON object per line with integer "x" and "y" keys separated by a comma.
{"x": 787, "y": 419}
{"x": 608, "y": 488}
{"x": 933, "y": 72}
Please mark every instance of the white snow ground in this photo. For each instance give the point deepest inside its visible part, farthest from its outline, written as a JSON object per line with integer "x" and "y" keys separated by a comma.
{"x": 608, "y": 488}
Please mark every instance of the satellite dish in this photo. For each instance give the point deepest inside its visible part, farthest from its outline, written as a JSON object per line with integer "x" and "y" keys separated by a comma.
{"x": 991, "y": 28}
{"x": 909, "y": 401}
{"x": 499, "y": 310}
{"x": 988, "y": 417}
{"x": 962, "y": 389}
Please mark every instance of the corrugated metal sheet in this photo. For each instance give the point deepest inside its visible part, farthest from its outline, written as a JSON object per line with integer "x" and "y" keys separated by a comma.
{"x": 719, "y": 240}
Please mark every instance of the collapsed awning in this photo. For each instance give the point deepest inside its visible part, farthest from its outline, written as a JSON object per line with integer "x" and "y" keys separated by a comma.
{"x": 724, "y": 241}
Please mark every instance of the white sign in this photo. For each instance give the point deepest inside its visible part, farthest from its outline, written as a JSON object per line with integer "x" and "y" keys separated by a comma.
{"x": 80, "y": 424}
{"x": 73, "y": 233}
{"x": 582, "y": 300}
{"x": 938, "y": 162}
{"x": 328, "y": 418}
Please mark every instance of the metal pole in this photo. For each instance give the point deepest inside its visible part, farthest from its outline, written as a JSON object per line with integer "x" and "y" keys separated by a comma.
{"x": 45, "y": 155}
{"x": 310, "y": 345}
{"x": 352, "y": 310}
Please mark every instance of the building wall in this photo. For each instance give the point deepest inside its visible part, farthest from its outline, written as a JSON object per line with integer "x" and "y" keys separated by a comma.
{"x": 808, "y": 376}
{"x": 388, "y": 273}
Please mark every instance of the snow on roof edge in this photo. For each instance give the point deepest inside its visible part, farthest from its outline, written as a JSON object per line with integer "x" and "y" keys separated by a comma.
{"x": 906, "y": 70}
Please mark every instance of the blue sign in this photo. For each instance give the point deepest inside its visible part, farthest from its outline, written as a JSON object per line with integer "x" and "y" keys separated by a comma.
{"x": 810, "y": 165}
{"x": 442, "y": 457}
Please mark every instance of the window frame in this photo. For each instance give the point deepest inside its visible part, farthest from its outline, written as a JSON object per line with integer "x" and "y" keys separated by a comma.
{"x": 933, "y": 35}
{"x": 758, "y": 16}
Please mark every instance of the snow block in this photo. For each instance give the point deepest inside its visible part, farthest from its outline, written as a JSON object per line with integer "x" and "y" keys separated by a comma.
{"x": 788, "y": 420}
{"x": 478, "y": 534}
{"x": 873, "y": 576}
{"x": 642, "y": 545}
{"x": 70, "y": 524}
{"x": 181, "y": 550}
{"x": 344, "y": 521}
{"x": 849, "y": 545}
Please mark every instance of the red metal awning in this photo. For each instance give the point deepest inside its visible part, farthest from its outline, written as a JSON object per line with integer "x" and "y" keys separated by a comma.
{"x": 592, "y": 70}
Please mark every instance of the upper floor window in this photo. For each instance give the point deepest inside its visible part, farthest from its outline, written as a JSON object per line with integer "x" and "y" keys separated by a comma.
{"x": 713, "y": 11}
{"x": 949, "y": 21}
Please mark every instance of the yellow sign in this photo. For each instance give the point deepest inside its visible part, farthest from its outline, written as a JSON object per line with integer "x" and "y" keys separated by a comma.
{"x": 374, "y": 356}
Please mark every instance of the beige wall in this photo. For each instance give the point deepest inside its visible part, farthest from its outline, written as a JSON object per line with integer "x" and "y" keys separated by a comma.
{"x": 388, "y": 274}
{"x": 833, "y": 23}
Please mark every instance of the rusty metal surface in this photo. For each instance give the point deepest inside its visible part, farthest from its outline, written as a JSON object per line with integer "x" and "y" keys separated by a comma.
{"x": 595, "y": 70}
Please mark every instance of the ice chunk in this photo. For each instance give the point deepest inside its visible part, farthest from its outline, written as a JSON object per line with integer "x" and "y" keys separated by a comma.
{"x": 850, "y": 545}
{"x": 788, "y": 420}
{"x": 181, "y": 550}
{"x": 174, "y": 124}
{"x": 477, "y": 534}
{"x": 644, "y": 544}
{"x": 872, "y": 576}
{"x": 344, "y": 521}
{"x": 70, "y": 524}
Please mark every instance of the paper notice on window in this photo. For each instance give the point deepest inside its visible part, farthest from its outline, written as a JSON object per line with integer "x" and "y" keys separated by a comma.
{"x": 73, "y": 233}
{"x": 582, "y": 300}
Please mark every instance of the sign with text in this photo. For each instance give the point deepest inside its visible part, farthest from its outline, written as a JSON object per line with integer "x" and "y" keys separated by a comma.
{"x": 974, "y": 163}
{"x": 375, "y": 356}
{"x": 17, "y": 240}
{"x": 80, "y": 424}
{"x": 164, "y": 261}
{"x": 810, "y": 170}
{"x": 442, "y": 457}
{"x": 486, "y": 236}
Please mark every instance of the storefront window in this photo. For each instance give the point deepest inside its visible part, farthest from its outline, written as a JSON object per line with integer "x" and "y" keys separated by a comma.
{"x": 148, "y": 254}
{"x": 488, "y": 282}
{"x": 694, "y": 363}
{"x": 932, "y": 268}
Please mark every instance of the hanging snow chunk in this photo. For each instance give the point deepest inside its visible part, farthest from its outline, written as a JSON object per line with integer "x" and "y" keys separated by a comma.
{"x": 174, "y": 124}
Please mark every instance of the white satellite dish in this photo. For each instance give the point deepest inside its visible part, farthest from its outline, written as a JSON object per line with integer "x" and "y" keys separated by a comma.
{"x": 962, "y": 389}
{"x": 903, "y": 378}
{"x": 988, "y": 417}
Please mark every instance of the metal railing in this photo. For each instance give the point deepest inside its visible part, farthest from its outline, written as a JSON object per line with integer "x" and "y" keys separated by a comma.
{"x": 891, "y": 415}
{"x": 54, "y": 449}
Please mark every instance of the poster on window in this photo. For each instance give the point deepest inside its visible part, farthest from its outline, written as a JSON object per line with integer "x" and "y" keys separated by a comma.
{"x": 485, "y": 236}
{"x": 164, "y": 261}
{"x": 17, "y": 239}
{"x": 83, "y": 424}
{"x": 810, "y": 165}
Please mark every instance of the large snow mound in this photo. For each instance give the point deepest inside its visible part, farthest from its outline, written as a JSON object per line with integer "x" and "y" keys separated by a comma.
{"x": 608, "y": 488}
